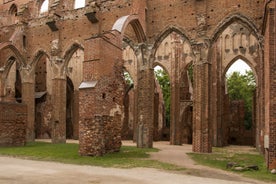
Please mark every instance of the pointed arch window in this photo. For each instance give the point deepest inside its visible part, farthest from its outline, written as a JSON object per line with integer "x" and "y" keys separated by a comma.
{"x": 13, "y": 10}
{"x": 44, "y": 7}
{"x": 79, "y": 4}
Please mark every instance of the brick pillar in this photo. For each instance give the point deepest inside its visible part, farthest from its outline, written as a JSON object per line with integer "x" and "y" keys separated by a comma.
{"x": 201, "y": 114}
{"x": 59, "y": 111}
{"x": 100, "y": 96}
{"x": 28, "y": 98}
{"x": 270, "y": 88}
{"x": 175, "y": 127}
{"x": 145, "y": 103}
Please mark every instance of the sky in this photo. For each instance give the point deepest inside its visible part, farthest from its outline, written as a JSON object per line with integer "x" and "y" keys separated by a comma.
{"x": 239, "y": 66}
{"x": 45, "y": 5}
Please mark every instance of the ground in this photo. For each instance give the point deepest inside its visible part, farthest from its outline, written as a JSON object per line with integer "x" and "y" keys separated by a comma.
{"x": 14, "y": 170}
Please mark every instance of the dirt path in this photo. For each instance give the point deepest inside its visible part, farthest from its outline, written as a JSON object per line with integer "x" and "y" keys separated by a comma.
{"x": 178, "y": 155}
{"x": 19, "y": 171}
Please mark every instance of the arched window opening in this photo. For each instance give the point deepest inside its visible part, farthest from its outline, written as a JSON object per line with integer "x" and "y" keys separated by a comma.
{"x": 162, "y": 87}
{"x": 186, "y": 84}
{"x": 44, "y": 7}
{"x": 13, "y": 14}
{"x": 128, "y": 127}
{"x": 236, "y": 42}
{"x": 240, "y": 104}
{"x": 74, "y": 71}
{"x": 128, "y": 79}
{"x": 18, "y": 86}
{"x": 24, "y": 41}
{"x": 69, "y": 109}
{"x": 162, "y": 104}
{"x": 79, "y": 4}
{"x": 13, "y": 10}
{"x": 227, "y": 43}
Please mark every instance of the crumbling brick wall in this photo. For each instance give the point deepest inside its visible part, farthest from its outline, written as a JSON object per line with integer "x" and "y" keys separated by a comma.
{"x": 101, "y": 111}
{"x": 197, "y": 23}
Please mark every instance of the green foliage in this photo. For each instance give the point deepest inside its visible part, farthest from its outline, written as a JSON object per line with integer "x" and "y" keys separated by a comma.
{"x": 164, "y": 82}
{"x": 128, "y": 157}
{"x": 221, "y": 156}
{"x": 242, "y": 87}
{"x": 128, "y": 78}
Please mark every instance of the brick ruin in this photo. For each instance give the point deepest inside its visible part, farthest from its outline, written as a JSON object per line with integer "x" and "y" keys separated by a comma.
{"x": 65, "y": 63}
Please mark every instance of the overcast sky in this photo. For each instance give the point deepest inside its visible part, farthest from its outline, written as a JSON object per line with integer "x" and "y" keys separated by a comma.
{"x": 239, "y": 66}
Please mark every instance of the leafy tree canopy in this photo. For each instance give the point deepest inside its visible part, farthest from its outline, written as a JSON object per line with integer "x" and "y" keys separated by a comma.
{"x": 242, "y": 87}
{"x": 164, "y": 82}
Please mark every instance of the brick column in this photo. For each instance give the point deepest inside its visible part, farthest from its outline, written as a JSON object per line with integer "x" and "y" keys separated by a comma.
{"x": 270, "y": 88}
{"x": 145, "y": 103}
{"x": 28, "y": 98}
{"x": 175, "y": 130}
{"x": 201, "y": 114}
{"x": 59, "y": 111}
{"x": 100, "y": 96}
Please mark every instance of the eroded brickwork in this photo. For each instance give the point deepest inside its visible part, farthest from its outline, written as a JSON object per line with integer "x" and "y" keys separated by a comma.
{"x": 270, "y": 86}
{"x": 108, "y": 37}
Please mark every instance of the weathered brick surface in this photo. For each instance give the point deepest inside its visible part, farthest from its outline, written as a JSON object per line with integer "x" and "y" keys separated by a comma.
{"x": 224, "y": 31}
{"x": 237, "y": 134}
{"x": 13, "y": 120}
{"x": 270, "y": 86}
{"x": 104, "y": 107}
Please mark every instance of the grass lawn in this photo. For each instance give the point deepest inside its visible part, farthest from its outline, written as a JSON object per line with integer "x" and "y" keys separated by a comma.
{"x": 128, "y": 157}
{"x": 221, "y": 156}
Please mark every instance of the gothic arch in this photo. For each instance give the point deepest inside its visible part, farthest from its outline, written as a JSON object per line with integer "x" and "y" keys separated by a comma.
{"x": 167, "y": 32}
{"x": 228, "y": 44}
{"x": 70, "y": 51}
{"x": 163, "y": 67}
{"x": 38, "y": 56}
{"x": 231, "y": 19}
{"x": 13, "y": 10}
{"x": 247, "y": 61}
{"x": 8, "y": 66}
{"x": 122, "y": 23}
{"x": 17, "y": 54}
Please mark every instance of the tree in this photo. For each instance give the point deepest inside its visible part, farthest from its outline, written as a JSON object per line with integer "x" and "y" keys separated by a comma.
{"x": 242, "y": 87}
{"x": 128, "y": 78}
{"x": 164, "y": 82}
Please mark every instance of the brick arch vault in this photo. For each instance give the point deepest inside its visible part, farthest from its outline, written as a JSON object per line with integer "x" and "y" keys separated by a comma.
{"x": 236, "y": 37}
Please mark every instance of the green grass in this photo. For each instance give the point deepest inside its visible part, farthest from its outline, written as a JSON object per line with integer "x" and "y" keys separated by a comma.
{"x": 221, "y": 156}
{"x": 128, "y": 157}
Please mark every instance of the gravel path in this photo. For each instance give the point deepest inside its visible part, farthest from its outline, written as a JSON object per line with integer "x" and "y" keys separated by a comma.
{"x": 20, "y": 171}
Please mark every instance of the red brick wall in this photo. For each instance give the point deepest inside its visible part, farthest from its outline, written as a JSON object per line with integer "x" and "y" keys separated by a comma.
{"x": 270, "y": 100}
{"x": 101, "y": 106}
{"x": 13, "y": 120}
